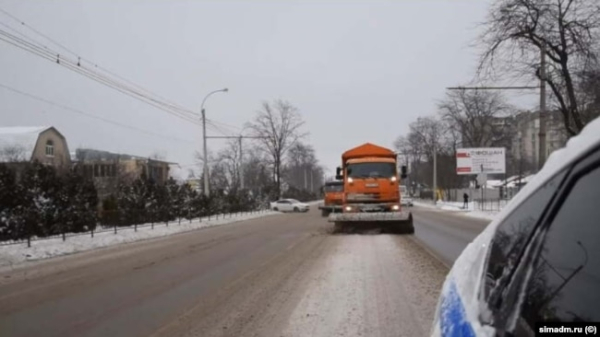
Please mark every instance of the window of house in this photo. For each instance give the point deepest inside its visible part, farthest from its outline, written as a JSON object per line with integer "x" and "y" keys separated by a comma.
{"x": 49, "y": 148}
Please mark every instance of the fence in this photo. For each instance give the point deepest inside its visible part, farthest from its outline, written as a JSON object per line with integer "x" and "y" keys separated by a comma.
{"x": 490, "y": 205}
{"x": 118, "y": 225}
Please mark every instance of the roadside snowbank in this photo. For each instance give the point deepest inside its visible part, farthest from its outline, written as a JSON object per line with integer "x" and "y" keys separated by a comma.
{"x": 43, "y": 249}
{"x": 471, "y": 211}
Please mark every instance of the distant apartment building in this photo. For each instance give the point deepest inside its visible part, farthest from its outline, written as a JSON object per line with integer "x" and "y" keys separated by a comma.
{"x": 109, "y": 169}
{"x": 525, "y": 144}
{"x": 25, "y": 144}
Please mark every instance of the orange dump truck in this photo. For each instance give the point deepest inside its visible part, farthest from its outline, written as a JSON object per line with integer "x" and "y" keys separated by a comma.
{"x": 371, "y": 190}
{"x": 334, "y": 196}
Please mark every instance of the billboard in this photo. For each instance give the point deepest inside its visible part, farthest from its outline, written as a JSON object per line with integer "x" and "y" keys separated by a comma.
{"x": 472, "y": 160}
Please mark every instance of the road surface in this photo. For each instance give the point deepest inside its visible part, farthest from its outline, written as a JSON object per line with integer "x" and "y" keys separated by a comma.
{"x": 445, "y": 233}
{"x": 282, "y": 275}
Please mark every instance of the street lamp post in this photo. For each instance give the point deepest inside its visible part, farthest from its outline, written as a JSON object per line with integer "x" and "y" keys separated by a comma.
{"x": 206, "y": 192}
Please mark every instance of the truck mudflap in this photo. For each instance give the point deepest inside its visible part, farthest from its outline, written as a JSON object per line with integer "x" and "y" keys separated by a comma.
{"x": 396, "y": 222}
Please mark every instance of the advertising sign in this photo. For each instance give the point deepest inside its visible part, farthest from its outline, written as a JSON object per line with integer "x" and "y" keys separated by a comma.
{"x": 489, "y": 160}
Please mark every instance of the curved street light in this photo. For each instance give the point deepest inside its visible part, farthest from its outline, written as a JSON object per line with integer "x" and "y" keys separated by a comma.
{"x": 206, "y": 192}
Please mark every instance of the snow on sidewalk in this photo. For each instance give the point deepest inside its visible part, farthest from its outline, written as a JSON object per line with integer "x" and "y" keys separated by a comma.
{"x": 457, "y": 207}
{"x": 43, "y": 249}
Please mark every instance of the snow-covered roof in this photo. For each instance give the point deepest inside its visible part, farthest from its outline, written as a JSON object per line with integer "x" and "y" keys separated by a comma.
{"x": 494, "y": 183}
{"x": 18, "y": 142}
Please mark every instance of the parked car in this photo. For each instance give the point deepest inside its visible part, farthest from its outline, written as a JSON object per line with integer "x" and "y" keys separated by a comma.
{"x": 289, "y": 205}
{"x": 539, "y": 260}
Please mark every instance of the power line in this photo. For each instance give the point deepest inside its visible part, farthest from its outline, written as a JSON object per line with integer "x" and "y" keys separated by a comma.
{"x": 80, "y": 112}
{"x": 76, "y": 67}
{"x": 137, "y": 92}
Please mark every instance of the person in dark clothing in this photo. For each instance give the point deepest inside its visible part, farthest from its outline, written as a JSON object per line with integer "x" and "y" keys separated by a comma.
{"x": 465, "y": 201}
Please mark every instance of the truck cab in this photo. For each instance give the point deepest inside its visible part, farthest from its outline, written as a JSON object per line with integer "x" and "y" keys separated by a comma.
{"x": 371, "y": 191}
{"x": 371, "y": 180}
{"x": 333, "y": 197}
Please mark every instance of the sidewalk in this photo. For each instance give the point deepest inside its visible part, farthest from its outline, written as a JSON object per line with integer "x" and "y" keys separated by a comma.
{"x": 457, "y": 207}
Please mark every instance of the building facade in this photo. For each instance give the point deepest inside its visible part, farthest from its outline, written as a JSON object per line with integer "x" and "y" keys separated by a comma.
{"x": 44, "y": 144}
{"x": 108, "y": 170}
{"x": 526, "y": 142}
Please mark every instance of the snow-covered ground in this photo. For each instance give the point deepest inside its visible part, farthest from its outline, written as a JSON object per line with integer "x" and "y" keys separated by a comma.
{"x": 43, "y": 249}
{"x": 472, "y": 211}
{"x": 368, "y": 285}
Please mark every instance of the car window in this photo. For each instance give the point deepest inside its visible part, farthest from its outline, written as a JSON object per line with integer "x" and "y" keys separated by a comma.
{"x": 282, "y": 202}
{"x": 512, "y": 234}
{"x": 565, "y": 282}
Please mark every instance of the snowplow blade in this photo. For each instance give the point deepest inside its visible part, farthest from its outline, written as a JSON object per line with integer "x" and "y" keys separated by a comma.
{"x": 397, "y": 222}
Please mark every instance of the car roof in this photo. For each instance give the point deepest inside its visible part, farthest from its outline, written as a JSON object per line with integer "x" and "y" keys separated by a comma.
{"x": 468, "y": 268}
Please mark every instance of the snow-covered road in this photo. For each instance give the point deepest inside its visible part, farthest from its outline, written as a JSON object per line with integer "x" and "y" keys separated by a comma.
{"x": 281, "y": 275}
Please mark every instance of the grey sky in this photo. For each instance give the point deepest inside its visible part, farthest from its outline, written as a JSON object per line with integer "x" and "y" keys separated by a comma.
{"x": 358, "y": 71}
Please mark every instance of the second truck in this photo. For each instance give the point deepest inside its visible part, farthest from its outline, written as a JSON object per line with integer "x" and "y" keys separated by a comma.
{"x": 371, "y": 193}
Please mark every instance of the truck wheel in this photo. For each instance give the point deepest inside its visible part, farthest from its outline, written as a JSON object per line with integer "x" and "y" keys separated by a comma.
{"x": 324, "y": 213}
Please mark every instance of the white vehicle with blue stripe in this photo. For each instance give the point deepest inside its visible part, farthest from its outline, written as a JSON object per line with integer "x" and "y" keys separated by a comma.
{"x": 539, "y": 260}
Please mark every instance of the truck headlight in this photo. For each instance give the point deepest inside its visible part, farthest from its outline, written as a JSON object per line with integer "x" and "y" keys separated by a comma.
{"x": 393, "y": 178}
{"x": 348, "y": 208}
{"x": 395, "y": 207}
{"x": 350, "y": 180}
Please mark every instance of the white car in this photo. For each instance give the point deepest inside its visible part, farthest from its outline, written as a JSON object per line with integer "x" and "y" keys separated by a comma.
{"x": 406, "y": 200}
{"x": 539, "y": 260}
{"x": 289, "y": 205}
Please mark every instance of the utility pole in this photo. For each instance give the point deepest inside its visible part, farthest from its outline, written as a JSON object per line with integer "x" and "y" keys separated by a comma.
{"x": 241, "y": 171}
{"x": 434, "y": 172}
{"x": 305, "y": 180}
{"x": 542, "y": 116}
{"x": 206, "y": 190}
{"x": 311, "y": 181}
{"x": 205, "y": 170}
{"x": 542, "y": 132}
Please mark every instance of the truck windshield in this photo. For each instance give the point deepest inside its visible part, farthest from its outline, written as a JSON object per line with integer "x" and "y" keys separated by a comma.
{"x": 334, "y": 188}
{"x": 371, "y": 170}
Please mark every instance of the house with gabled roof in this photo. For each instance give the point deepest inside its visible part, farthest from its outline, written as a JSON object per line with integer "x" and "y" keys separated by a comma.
{"x": 24, "y": 144}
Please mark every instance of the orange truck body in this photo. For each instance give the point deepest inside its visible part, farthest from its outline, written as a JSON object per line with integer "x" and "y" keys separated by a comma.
{"x": 371, "y": 180}
{"x": 333, "y": 197}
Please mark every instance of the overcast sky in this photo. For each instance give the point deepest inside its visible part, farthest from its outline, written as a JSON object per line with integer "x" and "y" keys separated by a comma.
{"x": 358, "y": 71}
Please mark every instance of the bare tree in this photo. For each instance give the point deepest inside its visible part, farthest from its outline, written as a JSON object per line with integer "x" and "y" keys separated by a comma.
{"x": 476, "y": 118}
{"x": 427, "y": 133}
{"x": 256, "y": 171}
{"x": 13, "y": 153}
{"x": 589, "y": 92}
{"x": 278, "y": 125}
{"x": 301, "y": 163}
{"x": 230, "y": 159}
{"x": 566, "y": 31}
